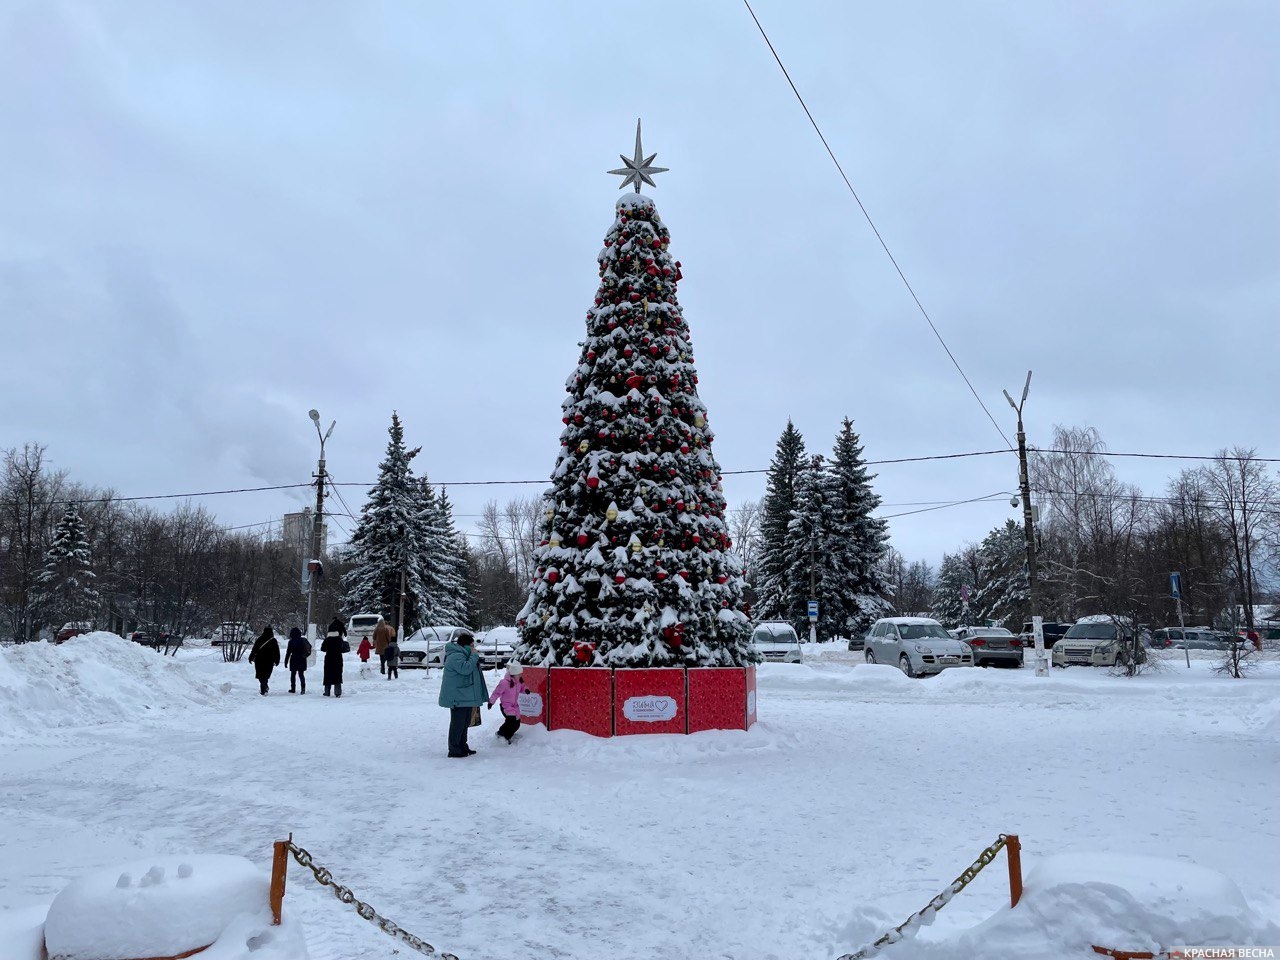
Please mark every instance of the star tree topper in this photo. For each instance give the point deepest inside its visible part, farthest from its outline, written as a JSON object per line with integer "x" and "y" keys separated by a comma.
{"x": 637, "y": 169}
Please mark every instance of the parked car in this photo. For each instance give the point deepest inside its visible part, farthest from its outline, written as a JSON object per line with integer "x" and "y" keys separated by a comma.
{"x": 860, "y": 641}
{"x": 425, "y": 646}
{"x": 917, "y": 645}
{"x": 1098, "y": 641}
{"x": 230, "y": 631}
{"x": 497, "y": 646}
{"x": 1194, "y": 638}
{"x": 776, "y": 641}
{"x": 142, "y": 637}
{"x": 72, "y": 629}
{"x": 1052, "y": 633}
{"x": 992, "y": 646}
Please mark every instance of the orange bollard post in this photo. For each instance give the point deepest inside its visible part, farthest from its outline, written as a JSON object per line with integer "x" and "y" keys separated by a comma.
{"x": 1013, "y": 850}
{"x": 279, "y": 867}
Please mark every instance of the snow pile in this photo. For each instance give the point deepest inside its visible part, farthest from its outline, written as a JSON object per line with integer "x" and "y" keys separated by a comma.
{"x": 1074, "y": 901}
{"x": 167, "y": 906}
{"x": 92, "y": 678}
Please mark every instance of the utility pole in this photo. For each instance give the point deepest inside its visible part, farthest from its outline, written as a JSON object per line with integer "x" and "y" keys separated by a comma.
{"x": 314, "y": 567}
{"x": 1029, "y": 530}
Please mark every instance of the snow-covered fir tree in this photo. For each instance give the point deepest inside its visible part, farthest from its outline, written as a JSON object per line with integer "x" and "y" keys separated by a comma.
{"x": 856, "y": 595}
{"x": 65, "y": 588}
{"x": 387, "y": 540}
{"x": 1002, "y": 577}
{"x": 958, "y": 575}
{"x": 773, "y": 585}
{"x": 806, "y": 553}
{"x": 443, "y": 559}
{"x": 634, "y": 567}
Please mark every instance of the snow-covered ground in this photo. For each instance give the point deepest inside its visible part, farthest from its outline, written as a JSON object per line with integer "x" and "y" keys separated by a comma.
{"x": 859, "y": 796}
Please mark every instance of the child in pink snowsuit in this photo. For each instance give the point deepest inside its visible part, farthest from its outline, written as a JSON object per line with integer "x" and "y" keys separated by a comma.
{"x": 508, "y": 689}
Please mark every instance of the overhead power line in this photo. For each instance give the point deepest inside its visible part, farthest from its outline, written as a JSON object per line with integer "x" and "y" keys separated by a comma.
{"x": 1158, "y": 456}
{"x": 179, "y": 496}
{"x": 728, "y": 473}
{"x": 831, "y": 153}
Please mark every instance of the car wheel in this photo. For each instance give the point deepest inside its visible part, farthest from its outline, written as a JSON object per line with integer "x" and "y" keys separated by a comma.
{"x": 869, "y": 656}
{"x": 905, "y": 663}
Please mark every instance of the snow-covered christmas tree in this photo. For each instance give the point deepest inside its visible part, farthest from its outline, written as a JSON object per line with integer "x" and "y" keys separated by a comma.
{"x": 774, "y": 586}
{"x": 856, "y": 540}
{"x": 1002, "y": 591}
{"x": 634, "y": 567}
{"x": 806, "y": 553}
{"x": 386, "y": 539}
{"x": 443, "y": 559}
{"x": 955, "y": 578}
{"x": 65, "y": 587}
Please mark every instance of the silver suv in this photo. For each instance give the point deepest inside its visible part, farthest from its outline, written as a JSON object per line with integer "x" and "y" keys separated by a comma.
{"x": 991, "y": 646}
{"x": 916, "y": 645}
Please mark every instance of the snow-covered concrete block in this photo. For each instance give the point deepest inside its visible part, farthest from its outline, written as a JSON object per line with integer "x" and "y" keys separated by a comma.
{"x": 171, "y": 910}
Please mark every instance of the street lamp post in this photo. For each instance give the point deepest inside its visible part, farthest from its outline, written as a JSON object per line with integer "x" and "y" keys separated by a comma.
{"x": 313, "y": 562}
{"x": 1029, "y": 530}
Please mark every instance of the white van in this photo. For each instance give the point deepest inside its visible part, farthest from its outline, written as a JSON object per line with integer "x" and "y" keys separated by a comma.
{"x": 361, "y": 625}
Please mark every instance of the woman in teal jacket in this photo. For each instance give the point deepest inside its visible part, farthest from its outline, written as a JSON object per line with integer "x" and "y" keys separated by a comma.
{"x": 462, "y": 690}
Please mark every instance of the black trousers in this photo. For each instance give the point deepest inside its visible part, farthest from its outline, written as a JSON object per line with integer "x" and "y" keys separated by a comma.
{"x": 459, "y": 721}
{"x": 393, "y": 668}
{"x": 297, "y": 676}
{"x": 509, "y": 726}
{"x": 382, "y": 662}
{"x": 262, "y": 683}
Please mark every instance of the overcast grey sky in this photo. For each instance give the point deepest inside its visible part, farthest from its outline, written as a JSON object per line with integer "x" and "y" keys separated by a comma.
{"x": 215, "y": 216}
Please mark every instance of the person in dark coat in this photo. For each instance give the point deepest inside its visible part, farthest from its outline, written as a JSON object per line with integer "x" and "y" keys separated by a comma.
{"x": 264, "y": 656}
{"x": 391, "y": 658}
{"x": 333, "y": 647}
{"x": 295, "y": 659}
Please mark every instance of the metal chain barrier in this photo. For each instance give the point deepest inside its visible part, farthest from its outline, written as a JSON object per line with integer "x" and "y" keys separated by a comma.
{"x": 363, "y": 910}
{"x": 925, "y": 915}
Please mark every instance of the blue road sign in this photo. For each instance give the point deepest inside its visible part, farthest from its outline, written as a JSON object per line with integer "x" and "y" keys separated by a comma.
{"x": 1175, "y": 586}
{"x": 813, "y": 609}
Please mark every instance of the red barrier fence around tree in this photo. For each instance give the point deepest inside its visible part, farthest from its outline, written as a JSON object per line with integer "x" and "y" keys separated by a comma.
{"x": 649, "y": 701}
{"x": 607, "y": 702}
{"x": 533, "y": 705}
{"x": 717, "y": 699}
{"x": 581, "y": 699}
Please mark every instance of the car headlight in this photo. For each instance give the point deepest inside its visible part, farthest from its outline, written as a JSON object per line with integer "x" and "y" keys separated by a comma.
{"x": 920, "y": 648}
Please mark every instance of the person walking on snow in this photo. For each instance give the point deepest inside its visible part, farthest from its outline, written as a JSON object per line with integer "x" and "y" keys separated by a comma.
{"x": 334, "y": 646}
{"x": 462, "y": 690}
{"x": 382, "y": 635}
{"x": 264, "y": 656}
{"x": 391, "y": 656}
{"x": 295, "y": 659}
{"x": 362, "y": 652}
{"x": 508, "y": 690}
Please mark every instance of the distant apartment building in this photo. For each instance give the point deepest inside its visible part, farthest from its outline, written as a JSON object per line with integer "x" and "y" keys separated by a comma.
{"x": 296, "y": 532}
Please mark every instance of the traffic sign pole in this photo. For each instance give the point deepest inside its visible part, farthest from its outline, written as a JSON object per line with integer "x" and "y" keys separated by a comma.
{"x": 1175, "y": 589}
{"x": 1037, "y": 630}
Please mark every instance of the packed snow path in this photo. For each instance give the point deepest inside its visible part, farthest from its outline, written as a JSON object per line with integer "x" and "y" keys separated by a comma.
{"x": 857, "y": 798}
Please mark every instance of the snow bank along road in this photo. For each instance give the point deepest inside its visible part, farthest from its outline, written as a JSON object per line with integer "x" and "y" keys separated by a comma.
{"x": 857, "y": 798}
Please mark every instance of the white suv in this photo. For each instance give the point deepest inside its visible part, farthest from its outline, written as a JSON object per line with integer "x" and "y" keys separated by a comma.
{"x": 776, "y": 640}
{"x": 917, "y": 646}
